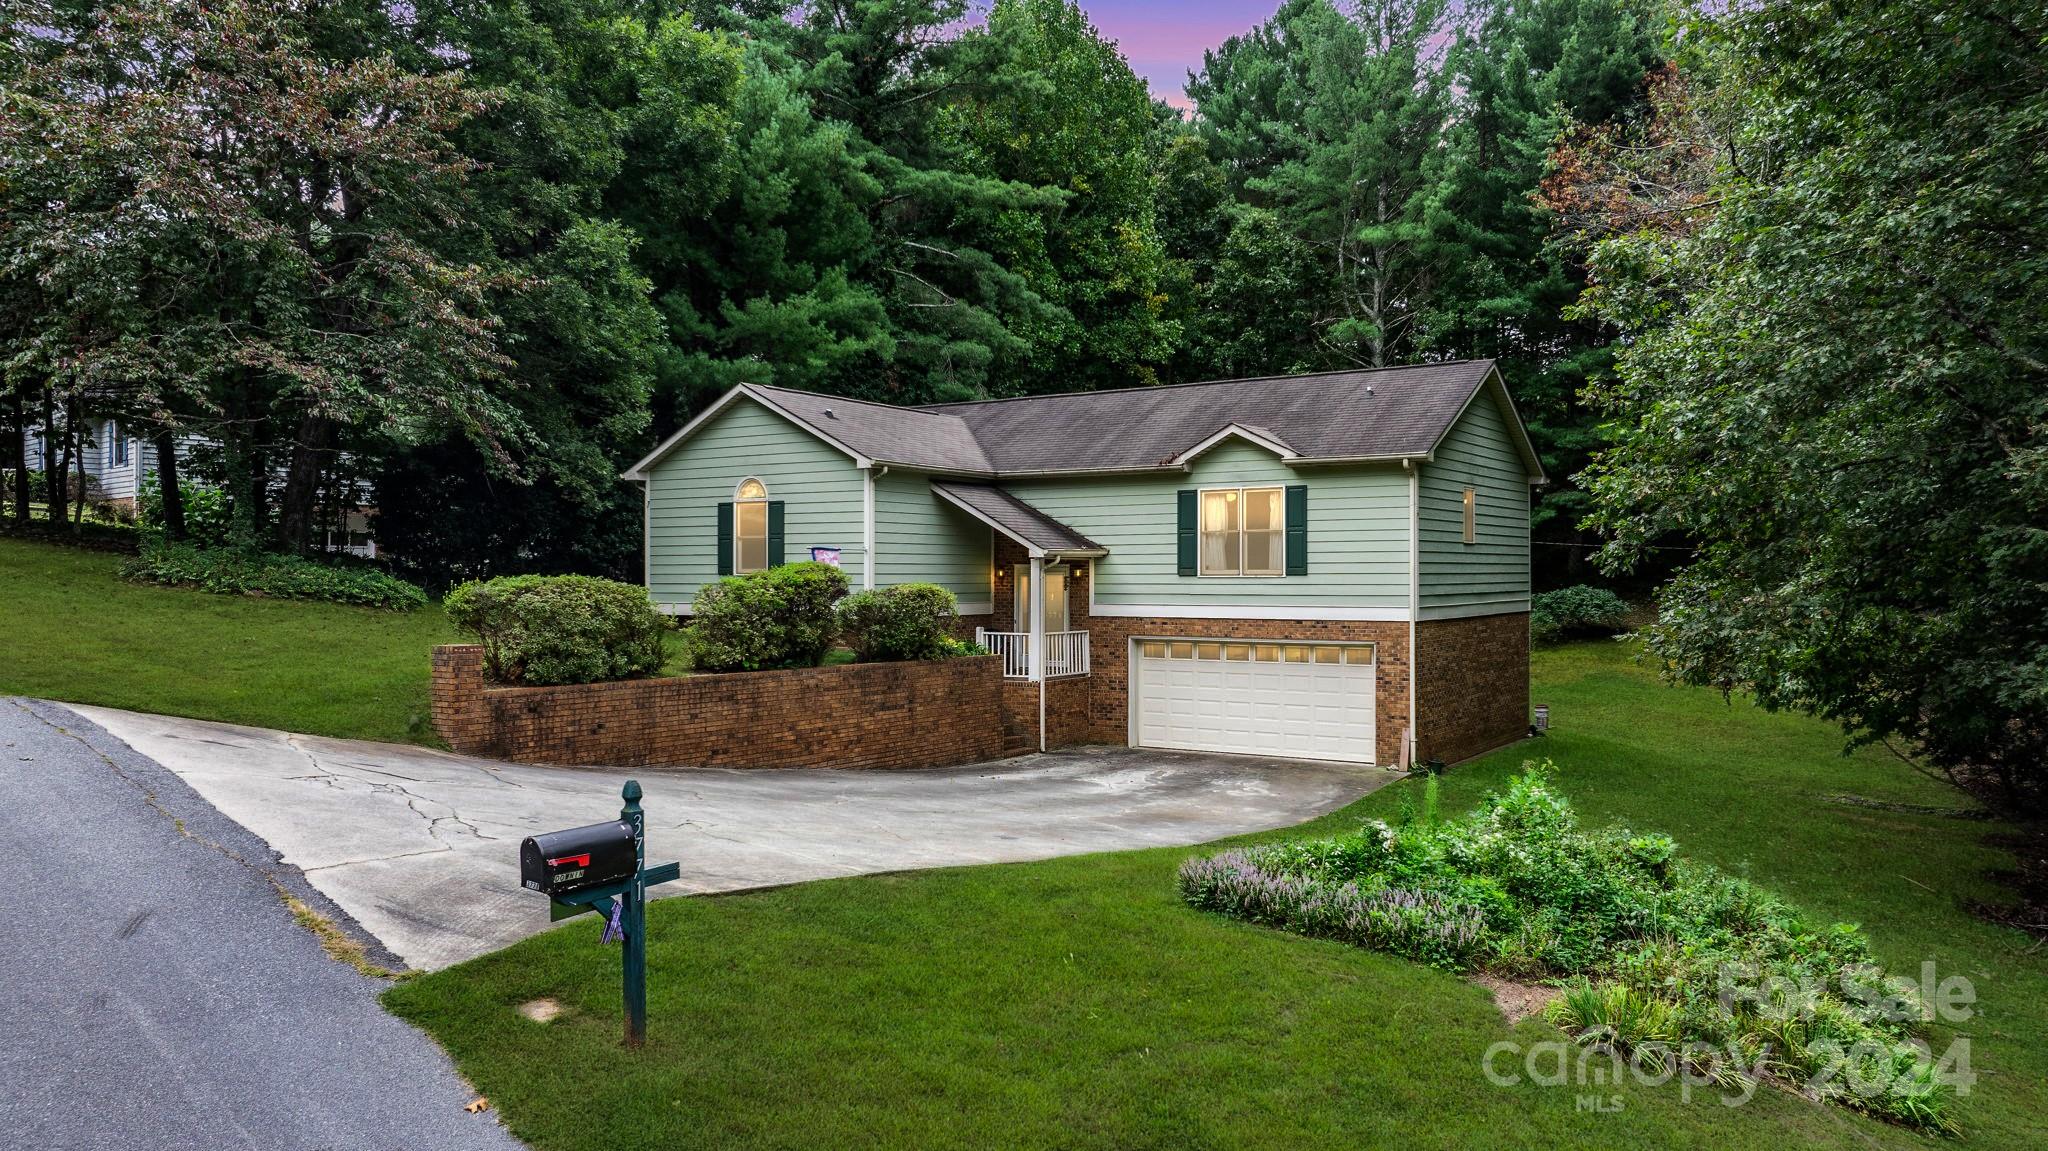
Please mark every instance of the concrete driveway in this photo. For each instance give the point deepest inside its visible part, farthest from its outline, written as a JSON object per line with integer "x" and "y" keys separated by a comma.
{"x": 421, "y": 847}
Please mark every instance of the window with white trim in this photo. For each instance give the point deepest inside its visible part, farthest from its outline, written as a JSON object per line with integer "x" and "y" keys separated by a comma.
{"x": 1244, "y": 531}
{"x": 750, "y": 527}
{"x": 1471, "y": 515}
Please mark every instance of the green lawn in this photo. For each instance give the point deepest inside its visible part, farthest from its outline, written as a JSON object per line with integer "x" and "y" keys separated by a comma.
{"x": 76, "y": 632}
{"x": 1076, "y": 1003}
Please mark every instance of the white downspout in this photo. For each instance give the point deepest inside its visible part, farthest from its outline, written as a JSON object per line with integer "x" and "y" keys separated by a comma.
{"x": 867, "y": 529}
{"x": 1037, "y": 639}
{"x": 1414, "y": 606}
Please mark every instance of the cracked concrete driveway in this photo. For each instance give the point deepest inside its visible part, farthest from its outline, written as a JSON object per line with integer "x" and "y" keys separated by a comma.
{"x": 421, "y": 846}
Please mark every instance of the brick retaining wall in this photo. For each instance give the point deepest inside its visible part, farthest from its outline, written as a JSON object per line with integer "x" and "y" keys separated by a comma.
{"x": 887, "y": 715}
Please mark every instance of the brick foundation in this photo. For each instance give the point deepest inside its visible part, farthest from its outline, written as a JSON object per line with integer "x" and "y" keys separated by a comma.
{"x": 1473, "y": 678}
{"x": 878, "y": 715}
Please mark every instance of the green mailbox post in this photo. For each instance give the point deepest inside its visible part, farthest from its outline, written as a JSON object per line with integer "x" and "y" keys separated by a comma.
{"x": 603, "y": 868}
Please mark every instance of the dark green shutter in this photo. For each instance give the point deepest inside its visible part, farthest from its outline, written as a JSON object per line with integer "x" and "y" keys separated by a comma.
{"x": 1190, "y": 514}
{"x": 774, "y": 533}
{"x": 725, "y": 539}
{"x": 1297, "y": 530}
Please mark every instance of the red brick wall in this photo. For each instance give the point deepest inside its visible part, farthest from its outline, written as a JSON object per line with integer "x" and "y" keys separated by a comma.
{"x": 1473, "y": 677}
{"x": 889, "y": 715}
{"x": 1066, "y": 714}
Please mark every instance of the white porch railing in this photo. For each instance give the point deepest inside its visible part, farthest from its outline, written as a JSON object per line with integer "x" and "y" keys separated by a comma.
{"x": 1066, "y": 652}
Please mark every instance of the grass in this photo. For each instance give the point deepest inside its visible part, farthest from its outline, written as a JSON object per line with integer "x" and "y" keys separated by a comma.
{"x": 76, "y": 632}
{"x": 1077, "y": 1003}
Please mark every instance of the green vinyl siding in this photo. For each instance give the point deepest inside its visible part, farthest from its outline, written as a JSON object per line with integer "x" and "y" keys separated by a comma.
{"x": 1491, "y": 574}
{"x": 1357, "y": 533}
{"x": 920, "y": 538}
{"x": 818, "y": 486}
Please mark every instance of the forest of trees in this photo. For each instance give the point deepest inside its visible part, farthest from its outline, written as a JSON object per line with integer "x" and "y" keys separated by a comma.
{"x": 472, "y": 259}
{"x": 1765, "y": 279}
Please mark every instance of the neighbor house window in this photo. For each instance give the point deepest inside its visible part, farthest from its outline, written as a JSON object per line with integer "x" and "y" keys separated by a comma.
{"x": 1471, "y": 517}
{"x": 750, "y": 527}
{"x": 1244, "y": 531}
{"x": 118, "y": 444}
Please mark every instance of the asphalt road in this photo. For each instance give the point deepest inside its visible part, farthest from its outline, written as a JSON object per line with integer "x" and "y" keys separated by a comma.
{"x": 155, "y": 992}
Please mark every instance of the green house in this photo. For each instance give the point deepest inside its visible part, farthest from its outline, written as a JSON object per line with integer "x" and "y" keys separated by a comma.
{"x": 1331, "y": 566}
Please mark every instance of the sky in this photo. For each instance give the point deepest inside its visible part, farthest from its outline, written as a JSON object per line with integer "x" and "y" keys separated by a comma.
{"x": 1164, "y": 40}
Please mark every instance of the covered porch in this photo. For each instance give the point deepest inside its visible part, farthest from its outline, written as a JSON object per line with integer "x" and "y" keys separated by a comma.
{"x": 1040, "y": 643}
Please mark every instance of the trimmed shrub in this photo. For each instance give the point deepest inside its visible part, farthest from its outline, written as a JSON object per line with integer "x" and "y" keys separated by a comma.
{"x": 1576, "y": 611}
{"x": 781, "y": 617}
{"x": 911, "y": 621}
{"x": 230, "y": 571}
{"x": 560, "y": 629}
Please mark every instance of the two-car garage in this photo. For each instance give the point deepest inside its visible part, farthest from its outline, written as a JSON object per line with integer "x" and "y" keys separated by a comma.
{"x": 1254, "y": 697}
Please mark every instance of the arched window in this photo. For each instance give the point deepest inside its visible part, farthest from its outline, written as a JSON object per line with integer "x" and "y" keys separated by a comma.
{"x": 750, "y": 526}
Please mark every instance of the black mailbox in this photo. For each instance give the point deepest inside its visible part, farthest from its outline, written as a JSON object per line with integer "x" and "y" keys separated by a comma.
{"x": 559, "y": 862}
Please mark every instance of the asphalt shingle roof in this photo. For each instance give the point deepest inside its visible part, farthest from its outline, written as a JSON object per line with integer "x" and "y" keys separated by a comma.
{"x": 1383, "y": 413}
{"x": 917, "y": 437}
{"x": 1015, "y": 518}
{"x": 1386, "y": 412}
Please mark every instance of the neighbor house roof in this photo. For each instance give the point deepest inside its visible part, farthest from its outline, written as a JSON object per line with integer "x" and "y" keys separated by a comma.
{"x": 1039, "y": 533}
{"x": 1368, "y": 414}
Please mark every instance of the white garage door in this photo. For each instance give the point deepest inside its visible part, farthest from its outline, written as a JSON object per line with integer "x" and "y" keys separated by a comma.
{"x": 1298, "y": 700}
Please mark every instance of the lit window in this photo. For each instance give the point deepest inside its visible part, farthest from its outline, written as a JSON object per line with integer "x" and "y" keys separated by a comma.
{"x": 750, "y": 527}
{"x": 1471, "y": 518}
{"x": 1244, "y": 531}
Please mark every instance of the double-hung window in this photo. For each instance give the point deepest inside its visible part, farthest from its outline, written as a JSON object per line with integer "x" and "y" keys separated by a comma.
{"x": 750, "y": 527}
{"x": 1244, "y": 532}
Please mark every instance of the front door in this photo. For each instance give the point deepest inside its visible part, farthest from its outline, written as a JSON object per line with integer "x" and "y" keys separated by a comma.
{"x": 1055, "y": 598}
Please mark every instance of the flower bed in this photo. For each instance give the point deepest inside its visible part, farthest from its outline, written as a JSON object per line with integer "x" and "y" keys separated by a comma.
{"x": 1664, "y": 959}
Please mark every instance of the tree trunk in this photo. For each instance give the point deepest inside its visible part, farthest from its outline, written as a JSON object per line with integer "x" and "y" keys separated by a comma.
{"x": 19, "y": 419}
{"x": 57, "y": 477}
{"x": 171, "y": 498}
{"x": 53, "y": 499}
{"x": 302, "y": 483}
{"x": 78, "y": 458}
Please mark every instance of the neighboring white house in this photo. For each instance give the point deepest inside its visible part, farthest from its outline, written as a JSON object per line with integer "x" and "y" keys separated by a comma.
{"x": 116, "y": 461}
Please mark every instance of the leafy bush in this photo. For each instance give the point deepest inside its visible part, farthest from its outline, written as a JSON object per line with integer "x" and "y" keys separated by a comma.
{"x": 1576, "y": 611}
{"x": 1651, "y": 942}
{"x": 781, "y": 617}
{"x": 231, "y": 571}
{"x": 206, "y": 510}
{"x": 560, "y": 629}
{"x": 911, "y": 621}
